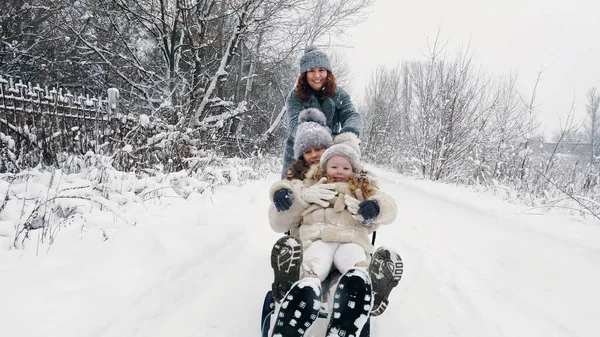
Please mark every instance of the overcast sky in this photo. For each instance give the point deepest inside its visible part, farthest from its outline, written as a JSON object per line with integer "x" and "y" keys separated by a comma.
{"x": 519, "y": 36}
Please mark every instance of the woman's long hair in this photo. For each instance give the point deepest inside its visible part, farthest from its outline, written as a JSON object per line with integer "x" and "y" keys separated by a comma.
{"x": 304, "y": 90}
{"x": 298, "y": 169}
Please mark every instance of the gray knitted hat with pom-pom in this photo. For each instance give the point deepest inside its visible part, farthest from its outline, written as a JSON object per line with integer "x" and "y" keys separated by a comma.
{"x": 314, "y": 58}
{"x": 311, "y": 132}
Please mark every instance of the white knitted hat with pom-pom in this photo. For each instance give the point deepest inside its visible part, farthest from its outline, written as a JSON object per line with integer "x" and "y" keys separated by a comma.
{"x": 346, "y": 145}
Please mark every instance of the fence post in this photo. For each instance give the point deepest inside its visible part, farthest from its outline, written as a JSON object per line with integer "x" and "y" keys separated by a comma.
{"x": 21, "y": 120}
{"x": 3, "y": 106}
{"x": 96, "y": 106}
{"x": 77, "y": 99}
{"x": 113, "y": 100}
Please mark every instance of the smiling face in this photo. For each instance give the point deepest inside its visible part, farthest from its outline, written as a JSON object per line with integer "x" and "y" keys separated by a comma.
{"x": 313, "y": 155}
{"x": 316, "y": 78}
{"x": 338, "y": 168}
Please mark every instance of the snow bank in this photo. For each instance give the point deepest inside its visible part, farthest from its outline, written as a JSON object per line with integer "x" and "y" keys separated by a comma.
{"x": 92, "y": 193}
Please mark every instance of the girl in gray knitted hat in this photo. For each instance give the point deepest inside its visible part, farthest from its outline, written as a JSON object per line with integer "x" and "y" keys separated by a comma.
{"x": 316, "y": 88}
{"x": 312, "y": 138}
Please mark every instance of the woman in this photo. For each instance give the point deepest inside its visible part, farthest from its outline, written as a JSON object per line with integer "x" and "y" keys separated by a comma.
{"x": 316, "y": 88}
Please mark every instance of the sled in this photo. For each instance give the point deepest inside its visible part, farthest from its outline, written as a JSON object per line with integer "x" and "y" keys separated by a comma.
{"x": 268, "y": 309}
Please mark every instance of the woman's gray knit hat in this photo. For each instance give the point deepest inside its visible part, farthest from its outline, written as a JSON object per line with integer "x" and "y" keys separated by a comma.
{"x": 346, "y": 145}
{"x": 311, "y": 132}
{"x": 314, "y": 58}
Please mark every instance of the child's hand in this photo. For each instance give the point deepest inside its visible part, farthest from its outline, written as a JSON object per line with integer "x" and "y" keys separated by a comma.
{"x": 319, "y": 193}
{"x": 283, "y": 199}
{"x": 368, "y": 210}
{"x": 351, "y": 203}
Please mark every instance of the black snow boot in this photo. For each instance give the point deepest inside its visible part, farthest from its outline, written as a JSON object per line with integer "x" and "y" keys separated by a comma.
{"x": 351, "y": 304}
{"x": 385, "y": 271}
{"x": 286, "y": 259}
{"x": 299, "y": 309}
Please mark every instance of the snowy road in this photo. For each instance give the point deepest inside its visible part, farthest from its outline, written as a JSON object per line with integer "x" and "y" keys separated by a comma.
{"x": 474, "y": 266}
{"x": 478, "y": 269}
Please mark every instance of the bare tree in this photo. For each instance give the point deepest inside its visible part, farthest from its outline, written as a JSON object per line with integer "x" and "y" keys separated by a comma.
{"x": 382, "y": 98}
{"x": 33, "y": 46}
{"x": 567, "y": 128}
{"x": 451, "y": 122}
{"x": 592, "y": 109}
{"x": 532, "y": 125}
{"x": 332, "y": 17}
{"x": 202, "y": 70}
{"x": 341, "y": 69}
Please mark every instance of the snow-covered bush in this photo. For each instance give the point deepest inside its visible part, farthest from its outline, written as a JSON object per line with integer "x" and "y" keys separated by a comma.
{"x": 88, "y": 191}
{"x": 443, "y": 119}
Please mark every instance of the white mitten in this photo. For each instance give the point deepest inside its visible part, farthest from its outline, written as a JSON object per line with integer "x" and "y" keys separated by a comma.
{"x": 319, "y": 193}
{"x": 351, "y": 203}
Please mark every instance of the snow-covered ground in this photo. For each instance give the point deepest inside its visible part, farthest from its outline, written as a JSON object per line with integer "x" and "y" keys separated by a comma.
{"x": 474, "y": 266}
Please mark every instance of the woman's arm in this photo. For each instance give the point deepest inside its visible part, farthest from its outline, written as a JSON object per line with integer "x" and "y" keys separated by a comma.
{"x": 293, "y": 107}
{"x": 350, "y": 119}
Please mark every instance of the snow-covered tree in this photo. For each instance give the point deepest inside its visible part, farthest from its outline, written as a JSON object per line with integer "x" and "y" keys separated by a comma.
{"x": 446, "y": 120}
{"x": 592, "y": 124}
{"x": 204, "y": 70}
{"x": 33, "y": 45}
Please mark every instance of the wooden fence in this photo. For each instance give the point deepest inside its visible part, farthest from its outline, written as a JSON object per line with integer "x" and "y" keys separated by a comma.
{"x": 38, "y": 123}
{"x": 42, "y": 124}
